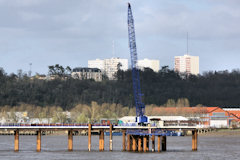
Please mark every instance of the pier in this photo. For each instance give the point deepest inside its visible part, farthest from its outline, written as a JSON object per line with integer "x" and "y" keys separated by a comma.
{"x": 134, "y": 138}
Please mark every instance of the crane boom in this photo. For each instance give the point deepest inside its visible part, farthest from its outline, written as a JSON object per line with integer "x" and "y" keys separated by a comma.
{"x": 140, "y": 107}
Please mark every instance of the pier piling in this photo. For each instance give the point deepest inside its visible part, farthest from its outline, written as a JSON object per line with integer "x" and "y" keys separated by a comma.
{"x": 159, "y": 143}
{"x": 124, "y": 140}
{"x": 145, "y": 143}
{"x": 110, "y": 138}
{"x": 128, "y": 142}
{"x": 38, "y": 140}
{"x": 153, "y": 143}
{"x": 89, "y": 136}
{"x": 194, "y": 140}
{"x": 70, "y": 140}
{"x": 140, "y": 149}
{"x": 101, "y": 140}
{"x": 164, "y": 143}
{"x": 16, "y": 140}
{"x": 134, "y": 143}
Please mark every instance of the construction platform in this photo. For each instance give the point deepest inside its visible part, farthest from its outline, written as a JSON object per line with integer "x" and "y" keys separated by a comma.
{"x": 134, "y": 138}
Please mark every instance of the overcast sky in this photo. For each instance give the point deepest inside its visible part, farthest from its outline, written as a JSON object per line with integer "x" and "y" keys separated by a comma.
{"x": 71, "y": 32}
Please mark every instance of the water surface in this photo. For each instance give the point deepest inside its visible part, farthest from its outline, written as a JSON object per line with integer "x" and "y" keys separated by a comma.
{"x": 55, "y": 147}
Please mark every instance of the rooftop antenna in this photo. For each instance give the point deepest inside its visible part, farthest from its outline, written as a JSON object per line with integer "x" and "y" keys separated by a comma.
{"x": 187, "y": 43}
{"x": 113, "y": 48}
{"x": 30, "y": 70}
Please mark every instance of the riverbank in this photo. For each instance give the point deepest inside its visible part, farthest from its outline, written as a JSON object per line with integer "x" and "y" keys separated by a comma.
{"x": 223, "y": 133}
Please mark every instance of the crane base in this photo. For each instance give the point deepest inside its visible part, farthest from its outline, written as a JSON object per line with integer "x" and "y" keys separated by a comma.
{"x": 142, "y": 119}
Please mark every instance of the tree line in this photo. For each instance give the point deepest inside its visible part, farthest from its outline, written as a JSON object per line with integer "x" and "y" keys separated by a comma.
{"x": 94, "y": 112}
{"x": 165, "y": 87}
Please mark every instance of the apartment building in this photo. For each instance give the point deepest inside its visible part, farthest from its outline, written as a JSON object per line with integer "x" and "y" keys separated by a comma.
{"x": 149, "y": 63}
{"x": 187, "y": 64}
{"x": 109, "y": 66}
{"x": 87, "y": 73}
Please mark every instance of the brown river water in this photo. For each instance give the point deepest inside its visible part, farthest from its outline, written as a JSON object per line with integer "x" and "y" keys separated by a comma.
{"x": 179, "y": 148}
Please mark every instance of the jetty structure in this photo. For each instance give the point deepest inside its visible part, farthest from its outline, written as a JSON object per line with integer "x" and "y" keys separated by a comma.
{"x": 135, "y": 136}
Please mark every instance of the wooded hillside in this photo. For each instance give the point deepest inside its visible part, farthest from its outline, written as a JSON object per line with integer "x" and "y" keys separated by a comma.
{"x": 210, "y": 89}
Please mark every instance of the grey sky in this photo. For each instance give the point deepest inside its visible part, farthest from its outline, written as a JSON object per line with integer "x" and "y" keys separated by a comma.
{"x": 70, "y": 32}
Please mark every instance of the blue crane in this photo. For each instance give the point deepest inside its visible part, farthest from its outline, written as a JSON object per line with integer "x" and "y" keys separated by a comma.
{"x": 140, "y": 106}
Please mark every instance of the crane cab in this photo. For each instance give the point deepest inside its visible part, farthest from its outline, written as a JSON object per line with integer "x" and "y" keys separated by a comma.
{"x": 142, "y": 120}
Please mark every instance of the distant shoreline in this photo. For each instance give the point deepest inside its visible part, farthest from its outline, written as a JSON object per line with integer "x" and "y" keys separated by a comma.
{"x": 223, "y": 133}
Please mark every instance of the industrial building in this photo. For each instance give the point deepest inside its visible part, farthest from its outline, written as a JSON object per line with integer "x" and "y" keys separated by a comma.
{"x": 216, "y": 117}
{"x": 202, "y": 117}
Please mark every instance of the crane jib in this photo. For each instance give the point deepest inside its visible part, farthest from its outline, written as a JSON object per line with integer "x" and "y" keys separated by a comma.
{"x": 140, "y": 107}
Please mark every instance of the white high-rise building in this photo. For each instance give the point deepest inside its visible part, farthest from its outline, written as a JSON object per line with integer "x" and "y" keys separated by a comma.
{"x": 98, "y": 63}
{"x": 112, "y": 65}
{"x": 149, "y": 63}
{"x": 109, "y": 66}
{"x": 187, "y": 64}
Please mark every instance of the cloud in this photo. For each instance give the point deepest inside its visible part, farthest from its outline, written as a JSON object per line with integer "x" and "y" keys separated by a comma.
{"x": 73, "y": 31}
{"x": 211, "y": 22}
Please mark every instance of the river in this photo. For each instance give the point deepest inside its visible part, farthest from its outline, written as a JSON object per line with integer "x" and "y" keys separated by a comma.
{"x": 179, "y": 148}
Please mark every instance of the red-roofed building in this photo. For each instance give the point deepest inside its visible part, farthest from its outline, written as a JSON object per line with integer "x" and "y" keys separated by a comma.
{"x": 206, "y": 116}
{"x": 218, "y": 117}
{"x": 233, "y": 111}
{"x": 221, "y": 118}
{"x": 235, "y": 114}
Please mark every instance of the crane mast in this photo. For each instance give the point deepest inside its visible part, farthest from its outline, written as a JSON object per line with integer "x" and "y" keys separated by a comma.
{"x": 140, "y": 107}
